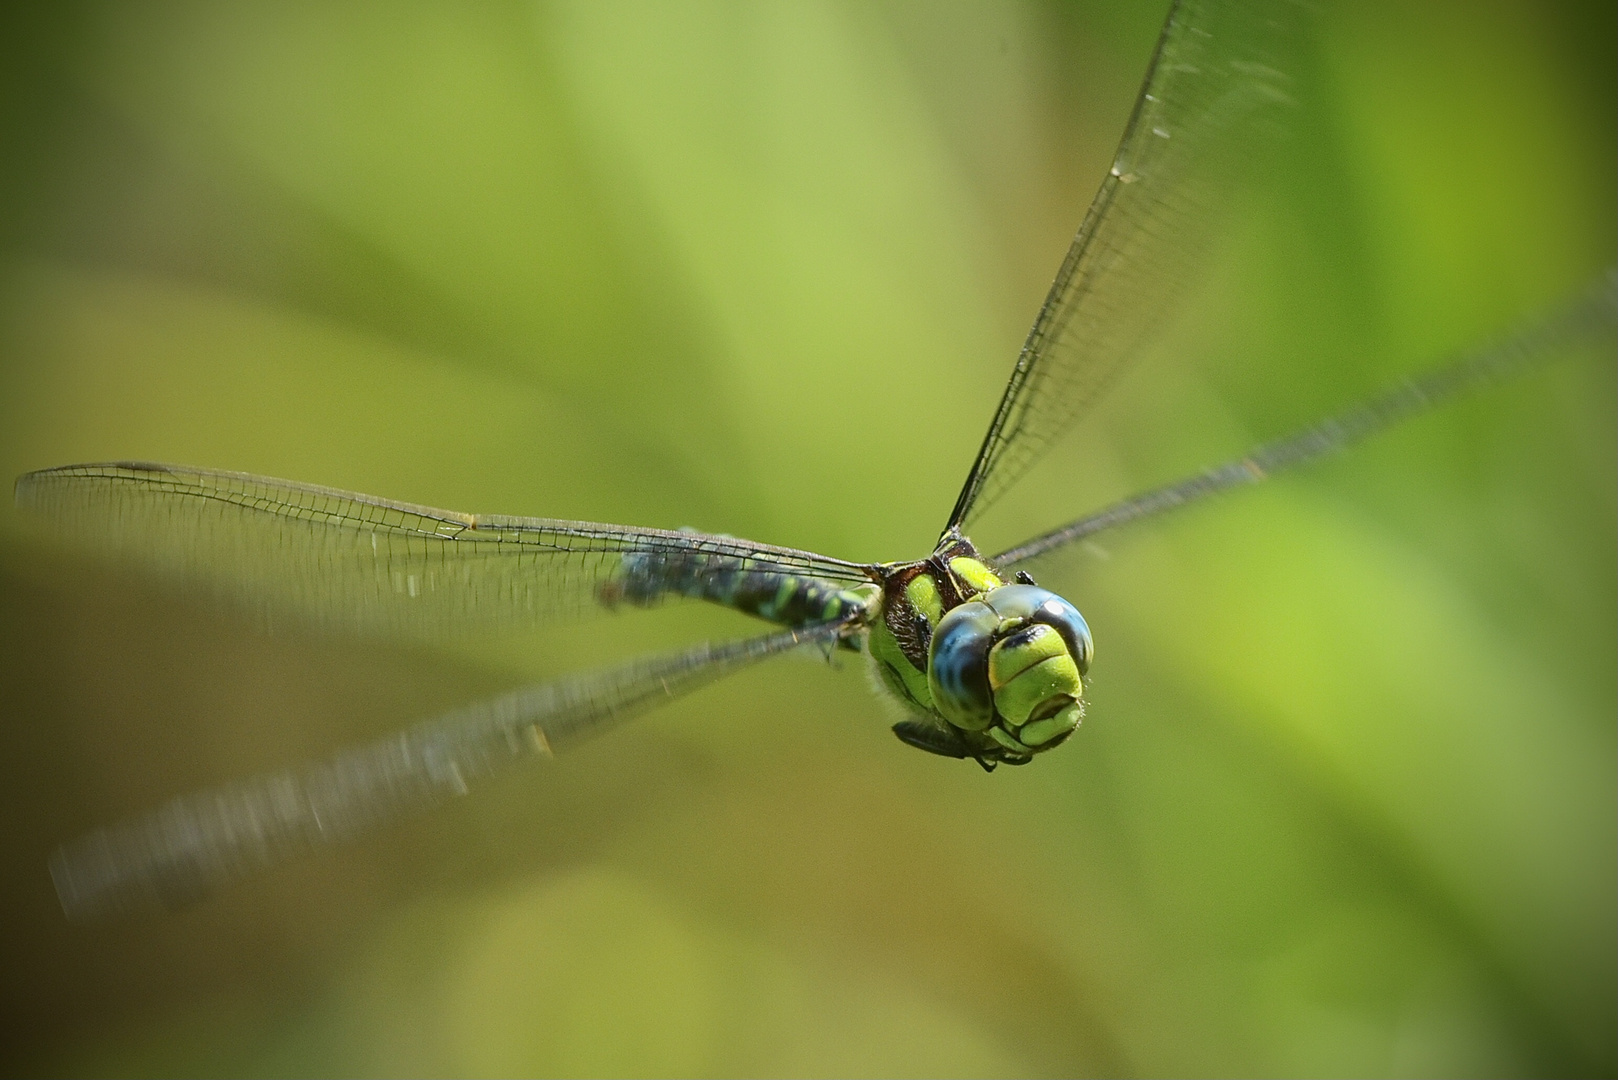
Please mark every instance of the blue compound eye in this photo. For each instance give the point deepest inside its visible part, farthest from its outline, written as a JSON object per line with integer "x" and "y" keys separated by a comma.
{"x": 958, "y": 666}
{"x": 1042, "y": 606}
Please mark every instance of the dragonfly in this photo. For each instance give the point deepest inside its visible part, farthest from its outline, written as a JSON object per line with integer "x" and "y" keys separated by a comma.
{"x": 989, "y": 666}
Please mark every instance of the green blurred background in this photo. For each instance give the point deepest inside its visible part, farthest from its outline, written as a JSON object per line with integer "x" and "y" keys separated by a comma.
{"x": 1344, "y": 803}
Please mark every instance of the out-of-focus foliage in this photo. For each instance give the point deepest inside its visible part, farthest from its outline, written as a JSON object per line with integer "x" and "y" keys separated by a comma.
{"x": 1344, "y": 802}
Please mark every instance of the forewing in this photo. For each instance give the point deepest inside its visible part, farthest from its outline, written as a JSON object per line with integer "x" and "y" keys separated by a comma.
{"x": 1215, "y": 97}
{"x": 334, "y": 559}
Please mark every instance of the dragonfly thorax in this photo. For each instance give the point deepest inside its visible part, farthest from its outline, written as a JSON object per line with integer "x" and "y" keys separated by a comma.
{"x": 994, "y": 669}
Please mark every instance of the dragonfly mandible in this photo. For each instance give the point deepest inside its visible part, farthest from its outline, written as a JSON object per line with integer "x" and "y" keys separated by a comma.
{"x": 990, "y": 665}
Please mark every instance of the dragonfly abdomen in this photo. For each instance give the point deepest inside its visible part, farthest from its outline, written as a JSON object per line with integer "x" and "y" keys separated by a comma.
{"x": 758, "y": 588}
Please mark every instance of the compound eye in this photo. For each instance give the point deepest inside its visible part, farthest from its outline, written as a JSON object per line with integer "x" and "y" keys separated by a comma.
{"x": 1042, "y": 606}
{"x": 958, "y": 666}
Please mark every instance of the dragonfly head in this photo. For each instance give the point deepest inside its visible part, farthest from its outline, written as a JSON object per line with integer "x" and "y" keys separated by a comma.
{"x": 997, "y": 669}
{"x": 1010, "y": 666}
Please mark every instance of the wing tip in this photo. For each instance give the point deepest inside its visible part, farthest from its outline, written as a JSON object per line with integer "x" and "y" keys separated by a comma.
{"x": 24, "y": 490}
{"x": 101, "y": 877}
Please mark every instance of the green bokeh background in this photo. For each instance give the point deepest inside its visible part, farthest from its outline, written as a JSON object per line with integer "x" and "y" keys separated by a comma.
{"x": 1344, "y": 803}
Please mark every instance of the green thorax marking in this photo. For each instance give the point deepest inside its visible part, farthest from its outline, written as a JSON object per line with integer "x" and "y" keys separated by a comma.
{"x": 915, "y": 596}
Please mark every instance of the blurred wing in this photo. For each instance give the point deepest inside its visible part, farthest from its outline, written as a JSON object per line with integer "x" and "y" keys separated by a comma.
{"x": 1212, "y": 100}
{"x": 200, "y": 841}
{"x": 1588, "y": 319}
{"x": 341, "y": 560}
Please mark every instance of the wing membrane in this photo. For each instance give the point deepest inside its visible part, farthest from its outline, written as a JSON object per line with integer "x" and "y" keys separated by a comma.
{"x": 200, "y": 841}
{"x": 1214, "y": 95}
{"x": 1587, "y": 319}
{"x": 346, "y": 561}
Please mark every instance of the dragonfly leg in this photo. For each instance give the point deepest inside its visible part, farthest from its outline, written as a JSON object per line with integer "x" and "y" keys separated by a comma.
{"x": 934, "y": 738}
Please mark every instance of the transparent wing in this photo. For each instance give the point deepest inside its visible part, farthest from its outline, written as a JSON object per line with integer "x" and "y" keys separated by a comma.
{"x": 1590, "y": 318}
{"x": 197, "y": 842}
{"x": 341, "y": 560}
{"x": 1215, "y": 96}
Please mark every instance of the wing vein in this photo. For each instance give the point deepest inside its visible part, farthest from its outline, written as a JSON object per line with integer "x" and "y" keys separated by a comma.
{"x": 197, "y": 842}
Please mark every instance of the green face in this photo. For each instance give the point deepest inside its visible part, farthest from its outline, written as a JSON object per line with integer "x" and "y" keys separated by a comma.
{"x": 996, "y": 670}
